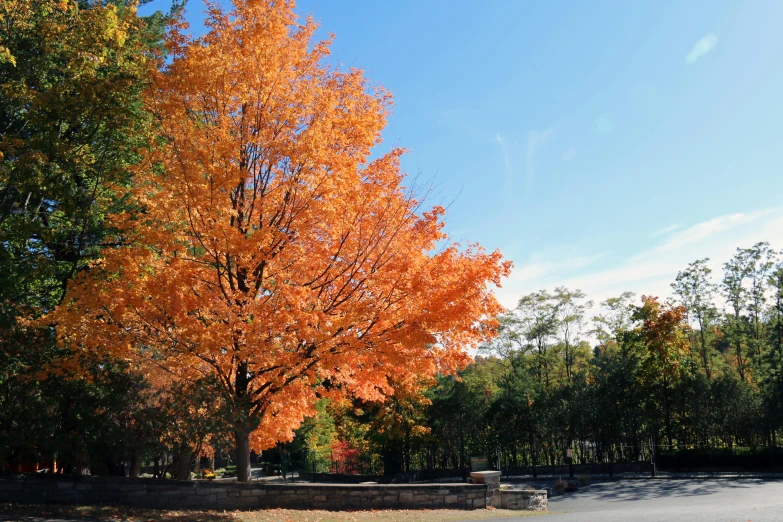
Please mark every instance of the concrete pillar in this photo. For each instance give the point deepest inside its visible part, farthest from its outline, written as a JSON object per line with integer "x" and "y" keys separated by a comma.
{"x": 492, "y": 480}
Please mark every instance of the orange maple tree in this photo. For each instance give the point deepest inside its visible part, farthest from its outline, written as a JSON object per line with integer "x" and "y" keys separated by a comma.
{"x": 267, "y": 253}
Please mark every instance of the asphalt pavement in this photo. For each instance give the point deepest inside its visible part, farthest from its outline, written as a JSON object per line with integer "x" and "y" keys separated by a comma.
{"x": 670, "y": 500}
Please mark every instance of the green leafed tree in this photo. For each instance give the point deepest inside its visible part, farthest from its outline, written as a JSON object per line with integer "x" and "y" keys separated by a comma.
{"x": 570, "y": 310}
{"x": 72, "y": 117}
{"x": 696, "y": 292}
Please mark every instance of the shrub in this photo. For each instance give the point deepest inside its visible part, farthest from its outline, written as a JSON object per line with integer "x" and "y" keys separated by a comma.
{"x": 228, "y": 471}
{"x": 584, "y": 480}
{"x": 560, "y": 486}
{"x": 572, "y": 485}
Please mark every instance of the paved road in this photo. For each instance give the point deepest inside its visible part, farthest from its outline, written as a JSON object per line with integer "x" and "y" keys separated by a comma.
{"x": 697, "y": 500}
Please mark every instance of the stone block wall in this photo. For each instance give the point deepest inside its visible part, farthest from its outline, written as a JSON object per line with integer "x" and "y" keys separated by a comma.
{"x": 526, "y": 499}
{"x": 491, "y": 479}
{"x": 39, "y": 488}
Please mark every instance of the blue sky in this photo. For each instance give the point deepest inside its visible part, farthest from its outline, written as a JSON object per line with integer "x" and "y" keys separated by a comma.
{"x": 600, "y": 145}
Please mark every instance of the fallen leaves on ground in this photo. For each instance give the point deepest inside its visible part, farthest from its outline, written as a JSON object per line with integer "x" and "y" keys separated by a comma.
{"x": 39, "y": 513}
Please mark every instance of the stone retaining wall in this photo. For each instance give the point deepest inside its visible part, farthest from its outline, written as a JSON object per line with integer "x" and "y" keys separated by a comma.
{"x": 526, "y": 499}
{"x": 41, "y": 488}
{"x": 491, "y": 479}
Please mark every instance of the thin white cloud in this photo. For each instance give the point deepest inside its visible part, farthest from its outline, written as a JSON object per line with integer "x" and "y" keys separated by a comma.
{"x": 706, "y": 230}
{"x": 535, "y": 270}
{"x": 664, "y": 231}
{"x": 569, "y": 154}
{"x": 506, "y": 160}
{"x": 532, "y": 271}
{"x": 603, "y": 124}
{"x": 702, "y": 48}
{"x": 535, "y": 140}
{"x": 651, "y": 271}
{"x": 514, "y": 155}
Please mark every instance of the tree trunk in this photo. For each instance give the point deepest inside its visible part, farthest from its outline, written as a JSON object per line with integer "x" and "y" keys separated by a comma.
{"x": 668, "y": 412}
{"x": 81, "y": 464}
{"x": 462, "y": 459}
{"x": 182, "y": 464}
{"x": 197, "y": 471}
{"x": 533, "y": 453}
{"x": 243, "y": 456}
{"x": 241, "y": 429}
{"x": 135, "y": 466}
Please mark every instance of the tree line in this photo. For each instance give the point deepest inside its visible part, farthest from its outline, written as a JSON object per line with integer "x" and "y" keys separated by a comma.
{"x": 700, "y": 371}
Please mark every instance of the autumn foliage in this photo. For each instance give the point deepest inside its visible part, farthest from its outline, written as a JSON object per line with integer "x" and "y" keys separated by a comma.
{"x": 264, "y": 249}
{"x": 345, "y": 458}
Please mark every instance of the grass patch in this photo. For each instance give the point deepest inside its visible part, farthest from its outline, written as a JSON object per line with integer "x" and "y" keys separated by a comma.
{"x": 38, "y": 513}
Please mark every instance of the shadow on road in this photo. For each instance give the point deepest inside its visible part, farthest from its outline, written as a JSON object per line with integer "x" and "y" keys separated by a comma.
{"x": 633, "y": 490}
